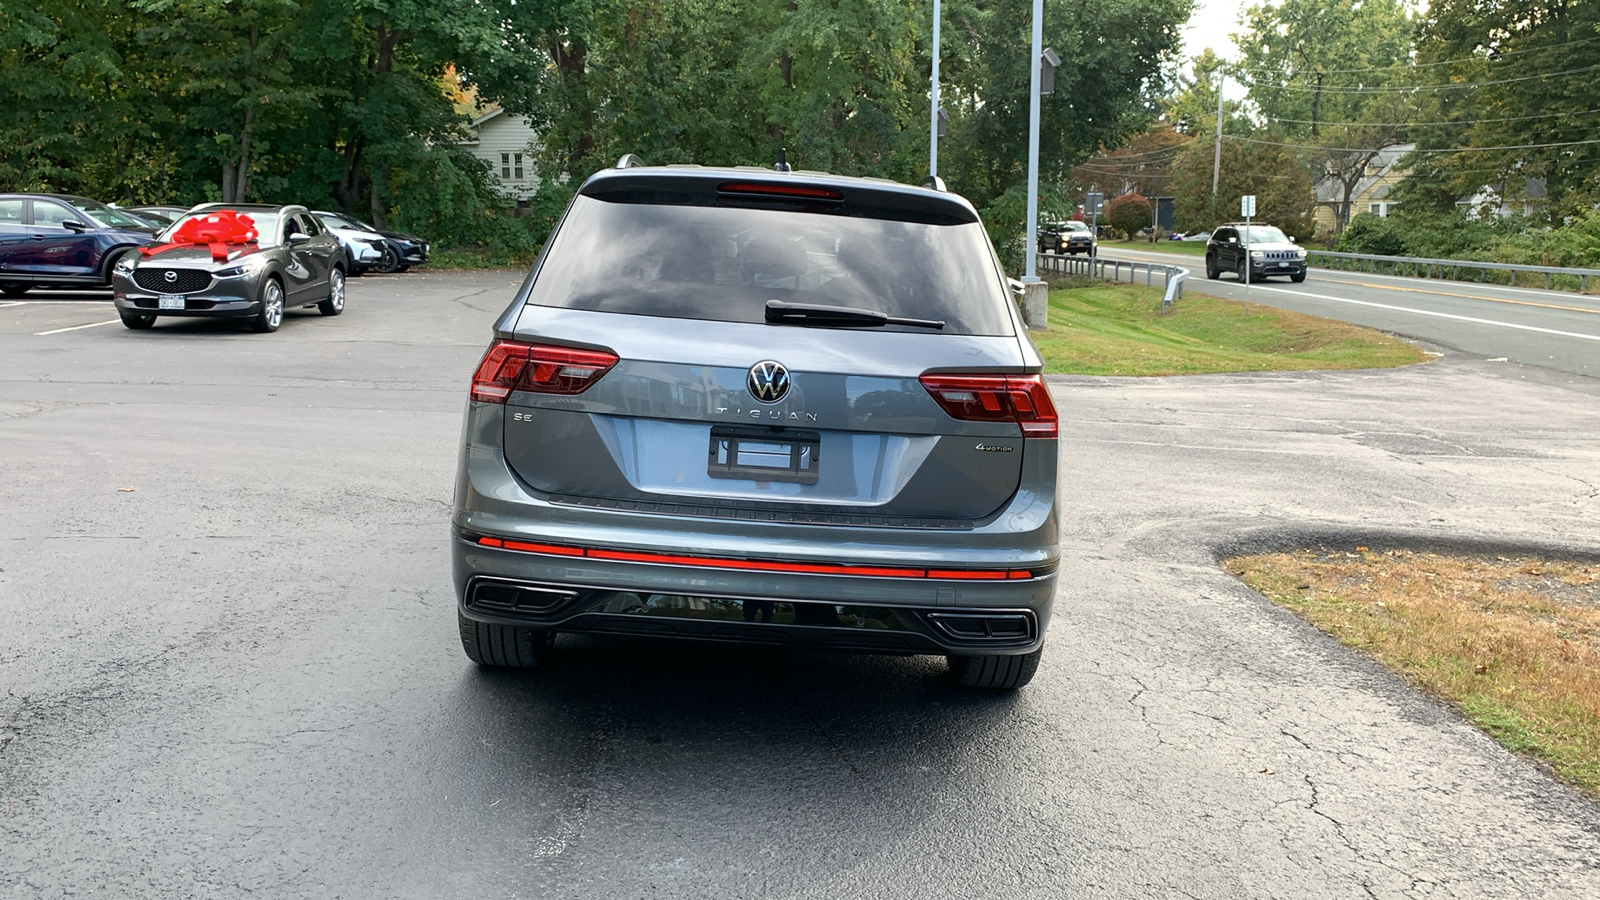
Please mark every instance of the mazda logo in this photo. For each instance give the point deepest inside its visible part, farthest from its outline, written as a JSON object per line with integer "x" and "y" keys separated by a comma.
{"x": 768, "y": 381}
{"x": 170, "y": 276}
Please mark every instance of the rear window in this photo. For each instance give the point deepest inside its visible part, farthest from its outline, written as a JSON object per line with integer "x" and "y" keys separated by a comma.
{"x": 723, "y": 264}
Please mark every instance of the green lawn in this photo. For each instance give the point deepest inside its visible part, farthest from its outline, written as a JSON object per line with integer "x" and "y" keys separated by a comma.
{"x": 1187, "y": 248}
{"x": 1103, "y": 329}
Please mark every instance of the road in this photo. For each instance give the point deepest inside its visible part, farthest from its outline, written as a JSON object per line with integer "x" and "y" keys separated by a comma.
{"x": 229, "y": 665}
{"x": 1551, "y": 329}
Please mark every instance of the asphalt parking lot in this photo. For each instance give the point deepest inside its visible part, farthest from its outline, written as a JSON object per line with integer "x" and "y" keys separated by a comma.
{"x": 229, "y": 664}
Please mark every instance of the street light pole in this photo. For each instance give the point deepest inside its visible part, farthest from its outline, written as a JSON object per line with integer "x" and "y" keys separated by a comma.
{"x": 933, "y": 116}
{"x": 1216, "y": 162}
{"x": 1035, "y": 61}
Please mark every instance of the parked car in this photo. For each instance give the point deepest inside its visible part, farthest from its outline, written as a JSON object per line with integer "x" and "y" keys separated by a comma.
{"x": 1271, "y": 252}
{"x": 397, "y": 251}
{"x": 740, "y": 405}
{"x": 61, "y": 241}
{"x": 159, "y": 215}
{"x": 1066, "y": 237}
{"x": 365, "y": 249}
{"x": 216, "y": 264}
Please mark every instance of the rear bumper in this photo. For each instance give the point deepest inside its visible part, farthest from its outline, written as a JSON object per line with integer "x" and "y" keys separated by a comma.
{"x": 880, "y": 615}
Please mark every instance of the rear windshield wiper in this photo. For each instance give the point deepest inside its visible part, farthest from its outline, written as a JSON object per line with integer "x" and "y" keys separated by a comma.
{"x": 781, "y": 313}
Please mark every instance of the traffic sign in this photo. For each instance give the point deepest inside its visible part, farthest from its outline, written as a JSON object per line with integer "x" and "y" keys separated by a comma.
{"x": 1091, "y": 202}
{"x": 1247, "y": 205}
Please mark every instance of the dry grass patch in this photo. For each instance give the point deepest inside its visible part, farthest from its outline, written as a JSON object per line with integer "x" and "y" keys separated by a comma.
{"x": 1513, "y": 643}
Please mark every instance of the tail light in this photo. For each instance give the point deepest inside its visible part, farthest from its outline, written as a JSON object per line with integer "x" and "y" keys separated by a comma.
{"x": 509, "y": 366}
{"x": 1022, "y": 399}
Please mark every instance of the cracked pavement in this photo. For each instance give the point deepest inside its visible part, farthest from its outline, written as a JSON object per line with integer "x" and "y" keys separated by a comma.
{"x": 242, "y": 677}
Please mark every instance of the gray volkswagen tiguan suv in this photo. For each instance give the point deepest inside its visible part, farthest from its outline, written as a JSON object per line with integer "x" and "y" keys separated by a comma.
{"x": 766, "y": 407}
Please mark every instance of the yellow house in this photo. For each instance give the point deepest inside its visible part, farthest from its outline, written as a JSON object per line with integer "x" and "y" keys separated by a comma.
{"x": 1371, "y": 193}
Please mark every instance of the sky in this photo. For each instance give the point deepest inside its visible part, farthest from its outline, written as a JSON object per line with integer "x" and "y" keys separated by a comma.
{"x": 1209, "y": 27}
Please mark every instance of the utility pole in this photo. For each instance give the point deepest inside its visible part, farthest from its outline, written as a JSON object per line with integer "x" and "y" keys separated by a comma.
{"x": 1216, "y": 162}
{"x": 933, "y": 119}
{"x": 1035, "y": 63}
{"x": 1316, "y": 104}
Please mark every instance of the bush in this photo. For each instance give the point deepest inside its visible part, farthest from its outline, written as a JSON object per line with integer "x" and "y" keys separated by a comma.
{"x": 1129, "y": 213}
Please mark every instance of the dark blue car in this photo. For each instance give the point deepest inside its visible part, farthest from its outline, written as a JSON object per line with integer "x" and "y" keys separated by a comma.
{"x": 58, "y": 241}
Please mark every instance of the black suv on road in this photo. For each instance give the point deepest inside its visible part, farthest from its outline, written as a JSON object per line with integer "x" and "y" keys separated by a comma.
{"x": 1271, "y": 252}
{"x": 60, "y": 241}
{"x": 1066, "y": 237}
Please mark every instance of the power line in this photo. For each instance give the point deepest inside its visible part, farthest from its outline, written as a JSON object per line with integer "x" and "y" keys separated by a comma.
{"x": 1446, "y": 62}
{"x": 1444, "y": 150}
{"x": 1405, "y": 89}
{"x": 1113, "y": 154}
{"x": 1327, "y": 124}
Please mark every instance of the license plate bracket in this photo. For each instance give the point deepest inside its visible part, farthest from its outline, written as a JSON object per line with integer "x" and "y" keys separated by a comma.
{"x": 764, "y": 454}
{"x": 170, "y": 301}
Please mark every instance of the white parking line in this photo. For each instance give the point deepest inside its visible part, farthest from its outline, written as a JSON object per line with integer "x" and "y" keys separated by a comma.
{"x": 13, "y": 303}
{"x": 76, "y": 327}
{"x": 1429, "y": 312}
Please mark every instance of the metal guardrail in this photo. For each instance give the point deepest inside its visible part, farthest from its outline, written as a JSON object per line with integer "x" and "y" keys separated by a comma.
{"x": 1099, "y": 266}
{"x": 1421, "y": 267}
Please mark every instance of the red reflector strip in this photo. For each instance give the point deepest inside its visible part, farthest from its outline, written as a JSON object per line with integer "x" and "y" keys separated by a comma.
{"x": 541, "y": 548}
{"x": 967, "y": 574}
{"x": 754, "y": 565}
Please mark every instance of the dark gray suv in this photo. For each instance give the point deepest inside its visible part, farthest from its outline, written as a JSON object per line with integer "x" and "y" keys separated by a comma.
{"x": 286, "y": 259}
{"x": 743, "y": 405}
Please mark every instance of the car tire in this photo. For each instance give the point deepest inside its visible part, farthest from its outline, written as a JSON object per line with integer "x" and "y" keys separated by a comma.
{"x": 1212, "y": 272}
{"x": 1244, "y": 270}
{"x": 15, "y": 290}
{"x": 505, "y": 646}
{"x": 334, "y": 305}
{"x": 1004, "y": 673}
{"x": 271, "y": 314}
{"x": 389, "y": 263}
{"x": 1298, "y": 277}
{"x": 137, "y": 321}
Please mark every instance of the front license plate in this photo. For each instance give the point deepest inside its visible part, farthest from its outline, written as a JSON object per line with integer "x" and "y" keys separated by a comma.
{"x": 170, "y": 301}
{"x": 763, "y": 455}
{"x": 1283, "y": 265}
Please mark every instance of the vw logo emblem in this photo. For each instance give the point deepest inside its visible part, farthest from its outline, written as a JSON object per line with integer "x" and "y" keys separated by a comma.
{"x": 768, "y": 381}
{"x": 170, "y": 276}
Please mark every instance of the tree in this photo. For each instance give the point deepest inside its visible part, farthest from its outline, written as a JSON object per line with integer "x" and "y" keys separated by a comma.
{"x": 1542, "y": 105}
{"x": 1269, "y": 170}
{"x": 1331, "y": 77}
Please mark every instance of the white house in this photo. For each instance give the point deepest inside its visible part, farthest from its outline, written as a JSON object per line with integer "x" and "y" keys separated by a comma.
{"x": 505, "y": 142}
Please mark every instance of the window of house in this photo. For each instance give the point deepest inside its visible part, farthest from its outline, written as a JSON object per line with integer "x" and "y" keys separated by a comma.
{"x": 511, "y": 167}
{"x": 1380, "y": 209}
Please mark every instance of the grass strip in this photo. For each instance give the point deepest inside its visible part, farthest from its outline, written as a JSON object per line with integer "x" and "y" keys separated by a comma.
{"x": 1105, "y": 329}
{"x": 1514, "y": 644}
{"x": 1187, "y": 248}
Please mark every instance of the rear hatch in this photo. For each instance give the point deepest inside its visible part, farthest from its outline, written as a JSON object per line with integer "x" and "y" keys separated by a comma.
{"x": 693, "y": 345}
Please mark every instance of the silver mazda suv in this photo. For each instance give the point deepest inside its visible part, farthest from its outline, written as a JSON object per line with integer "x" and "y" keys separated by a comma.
{"x": 765, "y": 407}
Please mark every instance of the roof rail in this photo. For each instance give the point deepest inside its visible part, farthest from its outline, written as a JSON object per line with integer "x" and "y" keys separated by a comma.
{"x": 629, "y": 161}
{"x": 935, "y": 182}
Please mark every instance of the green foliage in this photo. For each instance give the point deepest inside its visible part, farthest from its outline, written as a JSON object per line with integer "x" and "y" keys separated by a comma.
{"x": 1540, "y": 56}
{"x": 1129, "y": 213}
{"x": 1414, "y": 231}
{"x": 354, "y": 104}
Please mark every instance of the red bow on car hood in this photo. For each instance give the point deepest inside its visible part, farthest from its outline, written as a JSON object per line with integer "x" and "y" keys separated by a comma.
{"x": 219, "y": 230}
